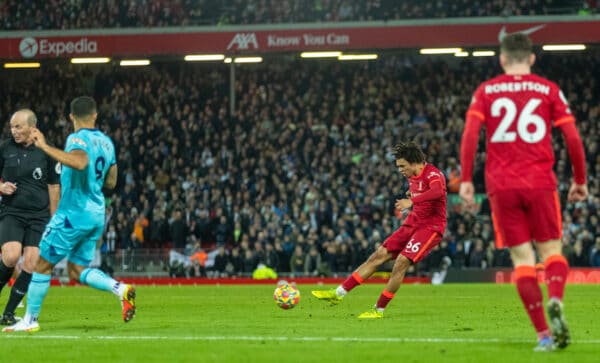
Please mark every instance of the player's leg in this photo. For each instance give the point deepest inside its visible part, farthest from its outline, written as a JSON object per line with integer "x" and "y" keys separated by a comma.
{"x": 97, "y": 279}
{"x": 11, "y": 251}
{"x": 19, "y": 288}
{"x": 390, "y": 248}
{"x": 420, "y": 244}
{"x": 362, "y": 273}
{"x": 546, "y": 224}
{"x": 400, "y": 266}
{"x": 78, "y": 261}
{"x": 530, "y": 293}
{"x": 53, "y": 247}
{"x": 36, "y": 293}
{"x": 556, "y": 270}
{"x": 12, "y": 231}
{"x": 31, "y": 253}
{"x": 512, "y": 229}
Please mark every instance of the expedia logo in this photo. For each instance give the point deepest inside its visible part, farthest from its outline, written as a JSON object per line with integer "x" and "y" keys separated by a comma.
{"x": 243, "y": 41}
{"x": 30, "y": 47}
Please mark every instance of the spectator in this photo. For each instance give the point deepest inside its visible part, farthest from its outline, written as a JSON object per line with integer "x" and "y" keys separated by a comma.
{"x": 220, "y": 265}
{"x": 235, "y": 266}
{"x": 459, "y": 257}
{"x": 263, "y": 271}
{"x": 344, "y": 259}
{"x": 179, "y": 230}
{"x": 477, "y": 257}
{"x": 271, "y": 257}
{"x": 139, "y": 227}
{"x": 297, "y": 262}
{"x": 312, "y": 263}
{"x": 595, "y": 254}
{"x": 249, "y": 262}
{"x": 198, "y": 260}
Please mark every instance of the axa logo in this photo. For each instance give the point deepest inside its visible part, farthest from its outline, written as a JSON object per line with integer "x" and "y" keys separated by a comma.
{"x": 527, "y": 31}
{"x": 30, "y": 47}
{"x": 243, "y": 41}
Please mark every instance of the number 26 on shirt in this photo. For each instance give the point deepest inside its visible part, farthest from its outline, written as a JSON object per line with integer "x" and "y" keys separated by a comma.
{"x": 524, "y": 118}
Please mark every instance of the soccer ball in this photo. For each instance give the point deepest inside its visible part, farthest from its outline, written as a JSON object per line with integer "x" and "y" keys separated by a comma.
{"x": 286, "y": 296}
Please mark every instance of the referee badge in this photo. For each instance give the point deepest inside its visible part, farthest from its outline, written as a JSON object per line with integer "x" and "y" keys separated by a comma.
{"x": 37, "y": 174}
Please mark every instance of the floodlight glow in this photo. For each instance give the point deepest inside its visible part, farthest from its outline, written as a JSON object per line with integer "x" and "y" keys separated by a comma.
{"x": 90, "y": 60}
{"x": 134, "y": 62}
{"x": 22, "y": 65}
{"x": 555, "y": 47}
{"x": 332, "y": 54}
{"x": 345, "y": 57}
{"x": 203, "y": 57}
{"x": 248, "y": 60}
{"x": 484, "y": 53}
{"x": 440, "y": 50}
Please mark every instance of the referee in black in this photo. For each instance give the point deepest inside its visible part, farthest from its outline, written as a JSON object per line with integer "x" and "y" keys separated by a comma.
{"x": 30, "y": 190}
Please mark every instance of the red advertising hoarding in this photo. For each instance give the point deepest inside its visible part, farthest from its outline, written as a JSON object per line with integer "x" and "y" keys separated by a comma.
{"x": 576, "y": 276}
{"x": 38, "y": 45}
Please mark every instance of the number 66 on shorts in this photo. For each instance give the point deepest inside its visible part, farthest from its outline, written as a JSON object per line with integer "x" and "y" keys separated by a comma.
{"x": 414, "y": 243}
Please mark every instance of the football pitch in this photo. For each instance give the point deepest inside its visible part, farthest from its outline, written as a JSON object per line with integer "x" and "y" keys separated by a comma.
{"x": 231, "y": 323}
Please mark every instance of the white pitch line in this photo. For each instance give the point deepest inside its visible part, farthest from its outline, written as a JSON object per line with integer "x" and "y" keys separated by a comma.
{"x": 287, "y": 339}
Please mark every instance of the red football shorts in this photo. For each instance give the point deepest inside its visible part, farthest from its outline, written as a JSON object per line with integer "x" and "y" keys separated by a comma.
{"x": 521, "y": 216}
{"x": 412, "y": 242}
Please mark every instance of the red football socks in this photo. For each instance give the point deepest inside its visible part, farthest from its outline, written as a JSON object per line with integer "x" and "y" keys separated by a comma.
{"x": 352, "y": 281}
{"x": 532, "y": 298}
{"x": 556, "y": 268}
{"x": 384, "y": 299}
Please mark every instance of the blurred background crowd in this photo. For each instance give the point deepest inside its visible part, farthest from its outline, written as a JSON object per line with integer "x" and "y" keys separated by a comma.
{"x": 77, "y": 14}
{"x": 301, "y": 176}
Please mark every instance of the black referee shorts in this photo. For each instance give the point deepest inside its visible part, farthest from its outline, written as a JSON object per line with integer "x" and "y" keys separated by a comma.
{"x": 27, "y": 230}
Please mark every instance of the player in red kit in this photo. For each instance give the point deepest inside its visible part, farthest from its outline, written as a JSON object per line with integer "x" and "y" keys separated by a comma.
{"x": 518, "y": 110}
{"x": 419, "y": 234}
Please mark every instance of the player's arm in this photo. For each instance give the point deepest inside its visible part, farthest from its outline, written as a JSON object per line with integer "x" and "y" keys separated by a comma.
{"x": 54, "y": 197}
{"x": 76, "y": 159}
{"x": 578, "y": 190}
{"x": 468, "y": 148}
{"x": 436, "y": 191}
{"x": 53, "y": 180}
{"x": 111, "y": 178}
{"x": 5, "y": 188}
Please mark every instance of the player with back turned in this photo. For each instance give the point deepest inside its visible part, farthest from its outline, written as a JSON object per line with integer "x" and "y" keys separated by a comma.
{"x": 30, "y": 191}
{"x": 89, "y": 165}
{"x": 518, "y": 110}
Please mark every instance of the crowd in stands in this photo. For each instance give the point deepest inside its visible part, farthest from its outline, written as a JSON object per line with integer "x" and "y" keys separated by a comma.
{"x": 78, "y": 14}
{"x": 301, "y": 175}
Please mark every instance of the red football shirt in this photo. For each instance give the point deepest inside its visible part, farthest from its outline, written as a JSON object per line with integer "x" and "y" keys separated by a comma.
{"x": 429, "y": 213}
{"x": 519, "y": 113}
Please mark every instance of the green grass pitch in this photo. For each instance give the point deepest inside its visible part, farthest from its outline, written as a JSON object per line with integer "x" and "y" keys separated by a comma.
{"x": 424, "y": 323}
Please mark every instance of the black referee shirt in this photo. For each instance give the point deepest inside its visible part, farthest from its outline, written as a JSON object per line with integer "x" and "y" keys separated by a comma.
{"x": 31, "y": 170}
